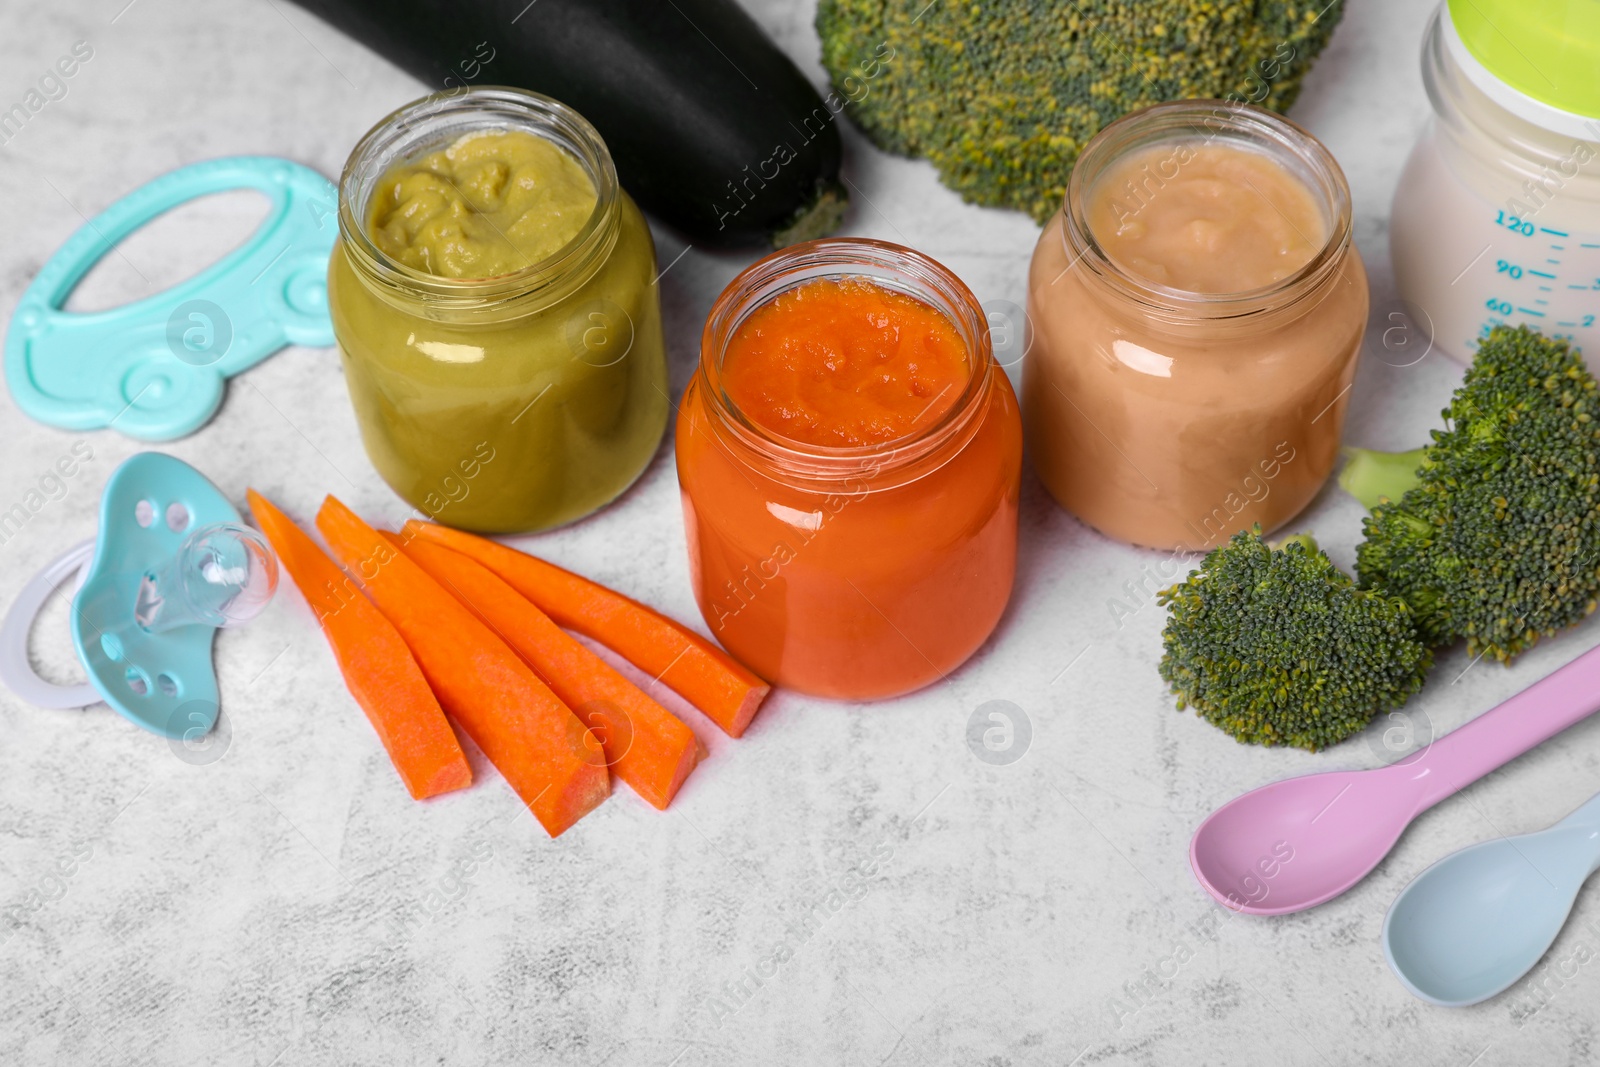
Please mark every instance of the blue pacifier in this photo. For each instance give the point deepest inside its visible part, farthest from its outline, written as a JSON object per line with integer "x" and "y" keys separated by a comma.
{"x": 173, "y": 563}
{"x": 155, "y": 368}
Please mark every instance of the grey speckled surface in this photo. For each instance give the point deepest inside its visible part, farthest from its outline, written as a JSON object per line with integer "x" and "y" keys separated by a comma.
{"x": 287, "y": 904}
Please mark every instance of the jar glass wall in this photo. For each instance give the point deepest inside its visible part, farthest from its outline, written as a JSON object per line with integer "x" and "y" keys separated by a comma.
{"x": 511, "y": 403}
{"x": 1173, "y": 419}
{"x": 862, "y": 572}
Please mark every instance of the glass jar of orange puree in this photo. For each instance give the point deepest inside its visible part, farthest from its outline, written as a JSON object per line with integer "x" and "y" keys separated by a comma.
{"x": 1198, "y": 310}
{"x": 849, "y": 455}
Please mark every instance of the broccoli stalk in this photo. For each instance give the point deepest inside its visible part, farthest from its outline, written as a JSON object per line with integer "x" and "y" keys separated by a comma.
{"x": 1305, "y": 540}
{"x": 1374, "y": 477}
{"x": 1277, "y": 646}
{"x": 1494, "y": 536}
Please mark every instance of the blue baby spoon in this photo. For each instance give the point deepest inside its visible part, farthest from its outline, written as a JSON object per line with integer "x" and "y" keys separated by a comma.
{"x": 172, "y": 564}
{"x": 1474, "y": 923}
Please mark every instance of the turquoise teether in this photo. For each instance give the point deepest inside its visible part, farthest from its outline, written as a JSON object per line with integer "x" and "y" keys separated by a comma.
{"x": 154, "y": 368}
{"x": 173, "y": 562}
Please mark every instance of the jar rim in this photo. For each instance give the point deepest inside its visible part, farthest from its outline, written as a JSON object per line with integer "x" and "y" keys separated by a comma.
{"x": 893, "y": 266}
{"x": 437, "y": 118}
{"x": 1168, "y": 122}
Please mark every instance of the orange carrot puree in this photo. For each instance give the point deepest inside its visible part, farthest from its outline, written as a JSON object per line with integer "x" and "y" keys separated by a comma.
{"x": 845, "y": 363}
{"x": 886, "y": 571}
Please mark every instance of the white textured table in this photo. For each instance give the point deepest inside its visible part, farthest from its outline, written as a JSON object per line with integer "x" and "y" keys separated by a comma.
{"x": 286, "y": 903}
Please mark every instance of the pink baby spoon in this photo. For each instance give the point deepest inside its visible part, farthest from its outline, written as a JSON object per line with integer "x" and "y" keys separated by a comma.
{"x": 1300, "y": 842}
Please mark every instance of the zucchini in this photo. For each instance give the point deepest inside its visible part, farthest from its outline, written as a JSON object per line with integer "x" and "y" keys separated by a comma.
{"x": 713, "y": 130}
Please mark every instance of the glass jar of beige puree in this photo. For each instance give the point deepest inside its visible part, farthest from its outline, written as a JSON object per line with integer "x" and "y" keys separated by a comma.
{"x": 1198, "y": 309}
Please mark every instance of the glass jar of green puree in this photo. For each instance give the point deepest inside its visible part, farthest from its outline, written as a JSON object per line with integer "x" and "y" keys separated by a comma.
{"x": 519, "y": 400}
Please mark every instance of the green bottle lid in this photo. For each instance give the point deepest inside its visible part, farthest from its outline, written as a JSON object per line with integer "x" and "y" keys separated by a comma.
{"x": 1546, "y": 49}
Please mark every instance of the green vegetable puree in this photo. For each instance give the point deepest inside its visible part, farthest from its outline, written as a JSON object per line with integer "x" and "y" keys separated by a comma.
{"x": 492, "y": 202}
{"x": 517, "y": 416}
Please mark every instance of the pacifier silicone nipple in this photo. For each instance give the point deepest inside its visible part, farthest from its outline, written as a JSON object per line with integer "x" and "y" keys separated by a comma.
{"x": 223, "y": 575}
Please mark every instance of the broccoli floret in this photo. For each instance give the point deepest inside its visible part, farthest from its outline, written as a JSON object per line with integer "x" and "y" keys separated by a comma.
{"x": 1495, "y": 536}
{"x": 1002, "y": 95}
{"x": 1277, "y": 646}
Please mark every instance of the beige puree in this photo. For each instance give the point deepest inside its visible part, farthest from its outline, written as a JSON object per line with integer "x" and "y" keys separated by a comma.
{"x": 1168, "y": 420}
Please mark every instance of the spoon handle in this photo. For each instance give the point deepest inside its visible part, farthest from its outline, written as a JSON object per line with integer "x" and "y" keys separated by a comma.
{"x": 1586, "y": 820}
{"x": 1501, "y": 734}
{"x": 1586, "y": 815}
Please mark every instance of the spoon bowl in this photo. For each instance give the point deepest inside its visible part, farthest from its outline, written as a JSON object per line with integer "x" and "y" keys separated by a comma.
{"x": 1471, "y": 925}
{"x": 1294, "y": 844}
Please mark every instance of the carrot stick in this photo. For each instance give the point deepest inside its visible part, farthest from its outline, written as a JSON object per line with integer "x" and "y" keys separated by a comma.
{"x": 702, "y": 673}
{"x": 542, "y": 749}
{"x": 645, "y": 744}
{"x": 377, "y": 666}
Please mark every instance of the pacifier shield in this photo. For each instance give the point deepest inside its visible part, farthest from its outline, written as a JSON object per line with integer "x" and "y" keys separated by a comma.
{"x": 162, "y": 681}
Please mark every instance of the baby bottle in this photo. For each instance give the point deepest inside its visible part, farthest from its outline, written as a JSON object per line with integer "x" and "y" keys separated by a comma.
{"x": 1497, "y": 215}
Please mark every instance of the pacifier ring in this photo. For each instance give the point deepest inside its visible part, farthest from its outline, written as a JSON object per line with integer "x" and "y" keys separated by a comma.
{"x": 16, "y": 672}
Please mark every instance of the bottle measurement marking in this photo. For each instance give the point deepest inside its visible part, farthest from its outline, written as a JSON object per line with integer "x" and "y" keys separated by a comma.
{"x": 1501, "y": 310}
{"x": 1513, "y": 223}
